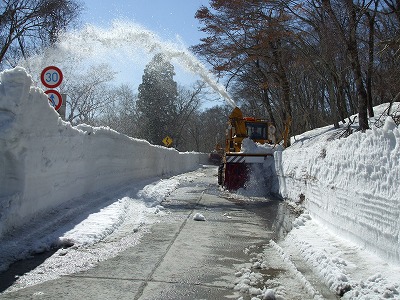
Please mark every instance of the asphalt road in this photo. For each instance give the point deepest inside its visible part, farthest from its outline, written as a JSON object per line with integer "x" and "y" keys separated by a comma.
{"x": 181, "y": 258}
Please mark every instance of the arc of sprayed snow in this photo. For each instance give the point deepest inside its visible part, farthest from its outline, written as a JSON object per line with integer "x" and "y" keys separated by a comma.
{"x": 87, "y": 41}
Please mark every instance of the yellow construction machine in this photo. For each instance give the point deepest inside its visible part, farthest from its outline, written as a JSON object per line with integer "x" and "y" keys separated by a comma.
{"x": 234, "y": 171}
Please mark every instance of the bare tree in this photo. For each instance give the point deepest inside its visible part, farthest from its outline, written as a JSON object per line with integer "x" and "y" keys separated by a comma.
{"x": 187, "y": 103}
{"x": 88, "y": 94}
{"x": 249, "y": 42}
{"x": 26, "y": 25}
{"x": 120, "y": 113}
{"x": 207, "y": 128}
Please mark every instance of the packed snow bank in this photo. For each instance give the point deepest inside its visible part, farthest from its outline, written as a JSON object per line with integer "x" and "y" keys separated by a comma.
{"x": 251, "y": 147}
{"x": 45, "y": 162}
{"x": 345, "y": 267}
{"x": 263, "y": 179}
{"x": 350, "y": 185}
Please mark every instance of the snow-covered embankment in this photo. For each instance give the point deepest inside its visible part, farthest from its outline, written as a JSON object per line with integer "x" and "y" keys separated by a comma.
{"x": 350, "y": 185}
{"x": 45, "y": 162}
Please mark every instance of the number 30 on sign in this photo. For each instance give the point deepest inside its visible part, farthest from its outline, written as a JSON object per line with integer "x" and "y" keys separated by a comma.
{"x": 51, "y": 77}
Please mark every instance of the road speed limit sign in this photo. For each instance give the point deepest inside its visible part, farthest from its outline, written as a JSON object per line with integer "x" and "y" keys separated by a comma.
{"x": 55, "y": 98}
{"x": 51, "y": 77}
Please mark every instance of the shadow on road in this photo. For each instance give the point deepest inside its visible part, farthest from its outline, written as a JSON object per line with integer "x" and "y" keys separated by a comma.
{"x": 21, "y": 267}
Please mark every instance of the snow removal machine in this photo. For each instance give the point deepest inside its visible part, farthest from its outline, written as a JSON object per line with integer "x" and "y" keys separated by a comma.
{"x": 239, "y": 158}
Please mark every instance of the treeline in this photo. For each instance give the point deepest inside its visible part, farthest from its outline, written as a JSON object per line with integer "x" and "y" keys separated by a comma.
{"x": 159, "y": 108}
{"x": 306, "y": 63}
{"x": 309, "y": 63}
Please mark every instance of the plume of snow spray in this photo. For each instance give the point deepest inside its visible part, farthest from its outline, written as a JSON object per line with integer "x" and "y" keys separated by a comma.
{"x": 128, "y": 38}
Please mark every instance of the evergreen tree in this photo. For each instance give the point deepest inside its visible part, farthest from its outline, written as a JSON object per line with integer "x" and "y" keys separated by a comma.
{"x": 156, "y": 100}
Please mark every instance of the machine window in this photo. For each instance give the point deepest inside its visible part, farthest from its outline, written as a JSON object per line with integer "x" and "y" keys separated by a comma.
{"x": 256, "y": 131}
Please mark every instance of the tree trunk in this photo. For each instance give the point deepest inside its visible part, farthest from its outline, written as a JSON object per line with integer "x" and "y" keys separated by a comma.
{"x": 333, "y": 105}
{"x": 350, "y": 39}
{"x": 341, "y": 85}
{"x": 371, "y": 41}
{"x": 266, "y": 101}
{"x": 356, "y": 68}
{"x": 285, "y": 86}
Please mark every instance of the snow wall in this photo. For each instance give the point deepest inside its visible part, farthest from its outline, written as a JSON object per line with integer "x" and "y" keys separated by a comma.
{"x": 351, "y": 185}
{"x": 45, "y": 162}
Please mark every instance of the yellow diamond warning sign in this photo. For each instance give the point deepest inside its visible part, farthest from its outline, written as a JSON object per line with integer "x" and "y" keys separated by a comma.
{"x": 167, "y": 141}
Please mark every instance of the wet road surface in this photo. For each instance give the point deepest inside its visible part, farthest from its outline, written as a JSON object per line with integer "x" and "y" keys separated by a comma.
{"x": 181, "y": 258}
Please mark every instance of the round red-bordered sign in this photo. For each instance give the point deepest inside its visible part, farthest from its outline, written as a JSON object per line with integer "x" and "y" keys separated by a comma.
{"x": 51, "y": 77}
{"x": 55, "y": 98}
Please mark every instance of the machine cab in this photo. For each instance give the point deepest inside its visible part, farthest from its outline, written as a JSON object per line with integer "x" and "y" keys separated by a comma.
{"x": 257, "y": 130}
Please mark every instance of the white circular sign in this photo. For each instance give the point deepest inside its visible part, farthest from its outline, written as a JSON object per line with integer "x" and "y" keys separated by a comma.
{"x": 51, "y": 77}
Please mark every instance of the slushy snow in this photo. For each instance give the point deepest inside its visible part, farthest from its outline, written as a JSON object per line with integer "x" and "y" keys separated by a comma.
{"x": 349, "y": 233}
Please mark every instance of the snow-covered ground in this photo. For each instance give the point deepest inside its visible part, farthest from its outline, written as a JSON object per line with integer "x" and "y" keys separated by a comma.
{"x": 350, "y": 184}
{"x": 349, "y": 233}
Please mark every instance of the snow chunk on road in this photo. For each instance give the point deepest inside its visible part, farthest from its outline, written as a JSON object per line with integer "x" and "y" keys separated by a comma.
{"x": 199, "y": 217}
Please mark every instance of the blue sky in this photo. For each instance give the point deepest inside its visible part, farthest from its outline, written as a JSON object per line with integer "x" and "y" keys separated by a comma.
{"x": 167, "y": 18}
